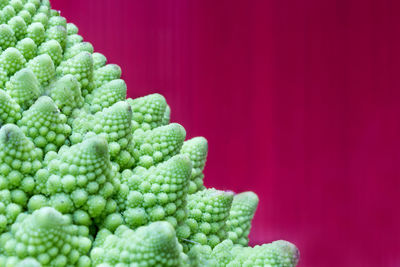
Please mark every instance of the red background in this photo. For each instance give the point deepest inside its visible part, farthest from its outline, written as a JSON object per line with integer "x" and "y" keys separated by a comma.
{"x": 299, "y": 101}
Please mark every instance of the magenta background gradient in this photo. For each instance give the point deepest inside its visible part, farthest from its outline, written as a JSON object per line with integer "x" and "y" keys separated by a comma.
{"x": 299, "y": 101}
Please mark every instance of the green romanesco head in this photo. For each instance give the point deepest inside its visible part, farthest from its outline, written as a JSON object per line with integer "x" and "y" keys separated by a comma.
{"x": 90, "y": 178}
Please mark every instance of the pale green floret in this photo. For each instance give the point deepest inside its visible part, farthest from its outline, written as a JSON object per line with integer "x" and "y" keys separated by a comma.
{"x": 57, "y": 21}
{"x": 106, "y": 74}
{"x": 244, "y": 206}
{"x": 156, "y": 194}
{"x": 152, "y": 245}
{"x": 45, "y": 125}
{"x": 99, "y": 60}
{"x": 276, "y": 254}
{"x": 11, "y": 60}
{"x": 196, "y": 149}
{"x": 17, "y": 5}
{"x": 18, "y": 25}
{"x": 7, "y": 36}
{"x": 10, "y": 111}
{"x": 37, "y": 3}
{"x": 44, "y": 9}
{"x": 66, "y": 93}
{"x": 28, "y": 48}
{"x": 58, "y": 33}
{"x": 11, "y": 203}
{"x": 26, "y": 16}
{"x": 19, "y": 159}
{"x": 72, "y": 28}
{"x": 81, "y": 66}
{"x": 148, "y": 111}
{"x": 49, "y": 237}
{"x": 8, "y": 13}
{"x": 14, "y": 261}
{"x": 80, "y": 178}
{"x": 157, "y": 145}
{"x": 208, "y": 211}
{"x": 114, "y": 124}
{"x": 30, "y": 7}
{"x": 53, "y": 49}
{"x": 107, "y": 95}
{"x": 23, "y": 87}
{"x": 73, "y": 39}
{"x": 74, "y": 50}
{"x": 43, "y": 67}
{"x": 36, "y": 32}
{"x": 42, "y": 18}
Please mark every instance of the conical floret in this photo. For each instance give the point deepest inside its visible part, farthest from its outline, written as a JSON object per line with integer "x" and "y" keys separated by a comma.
{"x": 7, "y": 37}
{"x": 66, "y": 93}
{"x": 197, "y": 149}
{"x": 79, "y": 178}
{"x": 105, "y": 74}
{"x": 107, "y": 95}
{"x": 28, "y": 48}
{"x": 10, "y": 111}
{"x": 148, "y": 111}
{"x": 152, "y": 245}
{"x": 208, "y": 211}
{"x": 159, "y": 144}
{"x": 244, "y": 206}
{"x": 155, "y": 194}
{"x": 18, "y": 25}
{"x": 53, "y": 49}
{"x": 81, "y": 66}
{"x": 36, "y": 32}
{"x": 26, "y": 16}
{"x": 58, "y": 33}
{"x": 49, "y": 237}
{"x": 19, "y": 159}
{"x": 77, "y": 48}
{"x": 43, "y": 67}
{"x": 99, "y": 60}
{"x": 45, "y": 125}
{"x": 11, "y": 60}
{"x": 24, "y": 87}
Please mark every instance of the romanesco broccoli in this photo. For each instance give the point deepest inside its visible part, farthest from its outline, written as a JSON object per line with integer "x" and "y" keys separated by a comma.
{"x": 90, "y": 178}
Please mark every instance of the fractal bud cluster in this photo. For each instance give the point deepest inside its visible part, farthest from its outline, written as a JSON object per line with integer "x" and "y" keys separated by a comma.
{"x": 90, "y": 178}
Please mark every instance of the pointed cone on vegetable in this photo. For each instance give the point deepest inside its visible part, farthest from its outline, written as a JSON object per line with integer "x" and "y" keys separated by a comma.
{"x": 10, "y": 111}
{"x": 45, "y": 125}
{"x": 207, "y": 216}
{"x": 49, "y": 237}
{"x": 159, "y": 144}
{"x": 152, "y": 245}
{"x": 148, "y": 111}
{"x": 105, "y": 74}
{"x": 107, "y": 95}
{"x": 197, "y": 149}
{"x": 11, "y": 60}
{"x": 244, "y": 206}
{"x": 19, "y": 159}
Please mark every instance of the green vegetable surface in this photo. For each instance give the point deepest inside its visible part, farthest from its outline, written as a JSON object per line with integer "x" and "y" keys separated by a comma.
{"x": 91, "y": 178}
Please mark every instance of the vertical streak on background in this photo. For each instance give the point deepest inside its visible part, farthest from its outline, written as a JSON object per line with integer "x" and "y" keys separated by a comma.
{"x": 299, "y": 101}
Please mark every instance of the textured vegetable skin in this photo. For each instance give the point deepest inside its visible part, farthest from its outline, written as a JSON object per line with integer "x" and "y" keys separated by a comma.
{"x": 90, "y": 178}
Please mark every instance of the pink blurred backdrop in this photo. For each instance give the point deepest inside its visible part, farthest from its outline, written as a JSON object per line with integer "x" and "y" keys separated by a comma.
{"x": 299, "y": 101}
